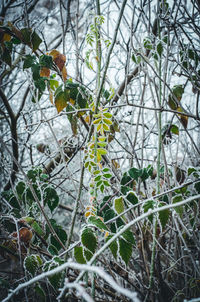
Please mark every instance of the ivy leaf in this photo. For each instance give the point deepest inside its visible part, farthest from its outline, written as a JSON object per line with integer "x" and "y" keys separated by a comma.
{"x": 29, "y": 61}
{"x": 32, "y": 263}
{"x": 96, "y": 221}
{"x": 46, "y": 61}
{"x": 113, "y": 246}
{"x": 89, "y": 239}
{"x": 125, "y": 250}
{"x": 35, "y": 41}
{"x": 78, "y": 255}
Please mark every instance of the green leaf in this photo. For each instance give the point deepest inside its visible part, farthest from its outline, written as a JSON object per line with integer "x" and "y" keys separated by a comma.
{"x": 96, "y": 221}
{"x": 20, "y": 188}
{"x": 107, "y": 121}
{"x": 147, "y": 206}
{"x": 126, "y": 179}
{"x": 97, "y": 178}
{"x": 46, "y": 61}
{"x": 128, "y": 236}
{"x": 135, "y": 173}
{"x": 191, "y": 170}
{"x": 197, "y": 187}
{"x": 40, "y": 84}
{"x": 55, "y": 279}
{"x": 119, "y": 205}
{"x": 41, "y": 295}
{"x": 15, "y": 41}
{"x": 29, "y": 61}
{"x": 178, "y": 209}
{"x": 36, "y": 227}
{"x": 61, "y": 234}
{"x": 132, "y": 198}
{"x": 160, "y": 49}
{"x": 107, "y": 175}
{"x": 148, "y": 44}
{"x": 35, "y": 41}
{"x": 88, "y": 255}
{"x": 101, "y": 151}
{"x": 89, "y": 239}
{"x": 61, "y": 99}
{"x": 125, "y": 250}
{"x": 107, "y": 114}
{"x": 26, "y": 33}
{"x": 113, "y": 246}
{"x": 52, "y": 250}
{"x": 53, "y": 84}
{"x": 6, "y": 57}
{"x": 164, "y": 215}
{"x": 32, "y": 263}
{"x": 78, "y": 255}
{"x": 102, "y": 144}
{"x": 125, "y": 190}
{"x": 51, "y": 198}
{"x": 35, "y": 71}
{"x": 175, "y": 129}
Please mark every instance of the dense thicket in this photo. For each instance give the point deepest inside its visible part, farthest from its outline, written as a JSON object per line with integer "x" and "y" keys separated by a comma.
{"x": 100, "y": 145}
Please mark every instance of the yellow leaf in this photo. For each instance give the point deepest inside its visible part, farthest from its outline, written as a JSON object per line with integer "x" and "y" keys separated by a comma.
{"x": 98, "y": 157}
{"x": 87, "y": 119}
{"x": 6, "y": 37}
{"x": 106, "y": 234}
{"x": 72, "y": 101}
{"x": 60, "y": 102}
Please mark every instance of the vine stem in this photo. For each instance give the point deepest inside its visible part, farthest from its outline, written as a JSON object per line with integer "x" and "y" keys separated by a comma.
{"x": 109, "y": 54}
{"x": 155, "y": 218}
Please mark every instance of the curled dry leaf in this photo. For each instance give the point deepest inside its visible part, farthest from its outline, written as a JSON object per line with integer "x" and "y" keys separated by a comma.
{"x": 59, "y": 59}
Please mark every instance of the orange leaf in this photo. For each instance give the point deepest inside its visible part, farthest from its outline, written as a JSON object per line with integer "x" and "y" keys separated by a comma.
{"x": 44, "y": 72}
{"x": 58, "y": 58}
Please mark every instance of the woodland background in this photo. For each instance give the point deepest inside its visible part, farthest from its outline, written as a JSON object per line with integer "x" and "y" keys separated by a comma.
{"x": 100, "y": 145}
